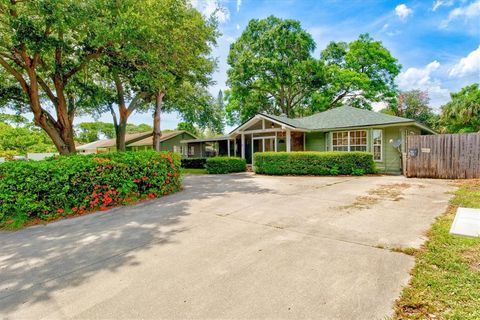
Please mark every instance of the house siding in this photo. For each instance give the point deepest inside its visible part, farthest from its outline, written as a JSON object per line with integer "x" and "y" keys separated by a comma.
{"x": 391, "y": 157}
{"x": 315, "y": 141}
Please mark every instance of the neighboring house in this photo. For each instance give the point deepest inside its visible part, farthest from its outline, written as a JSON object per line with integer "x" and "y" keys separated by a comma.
{"x": 170, "y": 141}
{"x": 339, "y": 129}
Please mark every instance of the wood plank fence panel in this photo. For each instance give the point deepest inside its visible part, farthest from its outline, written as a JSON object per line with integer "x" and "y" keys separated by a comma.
{"x": 445, "y": 156}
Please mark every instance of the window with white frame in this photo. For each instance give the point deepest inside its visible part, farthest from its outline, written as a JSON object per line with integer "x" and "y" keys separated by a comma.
{"x": 377, "y": 143}
{"x": 349, "y": 140}
{"x": 176, "y": 149}
{"x": 191, "y": 151}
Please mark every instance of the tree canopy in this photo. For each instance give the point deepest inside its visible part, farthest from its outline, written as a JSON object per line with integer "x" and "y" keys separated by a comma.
{"x": 271, "y": 69}
{"x": 413, "y": 104}
{"x": 462, "y": 113}
{"x": 358, "y": 73}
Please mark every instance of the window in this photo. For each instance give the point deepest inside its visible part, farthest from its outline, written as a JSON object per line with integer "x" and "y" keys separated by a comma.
{"x": 349, "y": 141}
{"x": 176, "y": 149}
{"x": 377, "y": 144}
{"x": 191, "y": 151}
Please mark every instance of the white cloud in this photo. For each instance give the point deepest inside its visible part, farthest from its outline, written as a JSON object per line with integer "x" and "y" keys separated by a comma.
{"x": 467, "y": 13}
{"x": 212, "y": 7}
{"x": 239, "y": 4}
{"x": 421, "y": 78}
{"x": 402, "y": 11}
{"x": 468, "y": 65}
{"x": 238, "y": 26}
{"x": 441, "y": 3}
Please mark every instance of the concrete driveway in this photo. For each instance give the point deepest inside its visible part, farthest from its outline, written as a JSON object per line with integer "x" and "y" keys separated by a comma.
{"x": 233, "y": 246}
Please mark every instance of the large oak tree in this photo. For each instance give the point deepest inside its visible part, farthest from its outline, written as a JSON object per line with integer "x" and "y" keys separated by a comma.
{"x": 44, "y": 46}
{"x": 271, "y": 69}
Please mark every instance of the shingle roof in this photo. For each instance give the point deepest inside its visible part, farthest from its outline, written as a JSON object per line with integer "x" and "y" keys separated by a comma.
{"x": 148, "y": 141}
{"x": 341, "y": 117}
{"x": 105, "y": 143}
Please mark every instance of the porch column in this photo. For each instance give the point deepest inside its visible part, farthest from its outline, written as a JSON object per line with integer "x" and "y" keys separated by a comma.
{"x": 228, "y": 147}
{"x": 289, "y": 140}
{"x": 243, "y": 146}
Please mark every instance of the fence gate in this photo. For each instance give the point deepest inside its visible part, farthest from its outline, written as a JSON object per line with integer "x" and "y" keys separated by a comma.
{"x": 447, "y": 156}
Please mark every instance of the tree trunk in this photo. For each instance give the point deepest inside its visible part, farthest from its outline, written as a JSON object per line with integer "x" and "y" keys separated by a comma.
{"x": 121, "y": 131}
{"x": 157, "y": 132}
{"x": 60, "y": 132}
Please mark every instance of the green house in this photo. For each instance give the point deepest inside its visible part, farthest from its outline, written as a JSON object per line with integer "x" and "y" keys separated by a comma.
{"x": 339, "y": 129}
{"x": 169, "y": 141}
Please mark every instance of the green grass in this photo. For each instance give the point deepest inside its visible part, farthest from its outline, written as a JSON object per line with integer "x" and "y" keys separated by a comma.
{"x": 445, "y": 281}
{"x": 194, "y": 171}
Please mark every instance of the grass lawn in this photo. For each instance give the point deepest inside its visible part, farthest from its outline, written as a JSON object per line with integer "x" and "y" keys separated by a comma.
{"x": 445, "y": 281}
{"x": 194, "y": 171}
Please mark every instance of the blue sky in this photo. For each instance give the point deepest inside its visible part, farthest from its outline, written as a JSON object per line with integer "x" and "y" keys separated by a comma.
{"x": 436, "y": 41}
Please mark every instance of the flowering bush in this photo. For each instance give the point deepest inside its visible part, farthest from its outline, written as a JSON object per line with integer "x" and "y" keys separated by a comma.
{"x": 67, "y": 185}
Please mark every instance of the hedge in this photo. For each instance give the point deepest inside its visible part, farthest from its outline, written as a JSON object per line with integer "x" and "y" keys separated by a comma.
{"x": 49, "y": 189}
{"x": 218, "y": 165}
{"x": 194, "y": 163}
{"x": 314, "y": 163}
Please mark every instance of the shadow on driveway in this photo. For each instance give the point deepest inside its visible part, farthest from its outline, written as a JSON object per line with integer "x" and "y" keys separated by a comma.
{"x": 33, "y": 261}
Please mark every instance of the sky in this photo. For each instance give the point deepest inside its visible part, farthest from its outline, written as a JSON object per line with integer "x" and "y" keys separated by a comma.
{"x": 437, "y": 42}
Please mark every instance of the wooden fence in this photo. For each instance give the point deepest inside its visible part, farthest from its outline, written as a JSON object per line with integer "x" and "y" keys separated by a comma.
{"x": 446, "y": 156}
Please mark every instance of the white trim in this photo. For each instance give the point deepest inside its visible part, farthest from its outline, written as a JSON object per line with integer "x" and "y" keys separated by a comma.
{"x": 289, "y": 140}
{"x": 228, "y": 147}
{"x": 242, "y": 146}
{"x": 381, "y": 145}
{"x": 348, "y": 139}
{"x": 258, "y": 117}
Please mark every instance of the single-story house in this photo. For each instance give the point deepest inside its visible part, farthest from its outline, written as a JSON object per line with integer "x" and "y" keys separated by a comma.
{"x": 339, "y": 129}
{"x": 170, "y": 141}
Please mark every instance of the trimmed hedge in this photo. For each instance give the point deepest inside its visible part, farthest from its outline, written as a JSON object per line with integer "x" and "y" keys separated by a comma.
{"x": 194, "y": 163}
{"x": 49, "y": 189}
{"x": 218, "y": 165}
{"x": 314, "y": 163}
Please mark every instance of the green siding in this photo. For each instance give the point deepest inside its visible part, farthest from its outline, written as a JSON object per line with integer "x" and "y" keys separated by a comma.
{"x": 168, "y": 145}
{"x": 315, "y": 141}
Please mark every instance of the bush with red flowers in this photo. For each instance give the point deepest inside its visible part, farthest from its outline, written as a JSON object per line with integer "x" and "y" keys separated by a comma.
{"x": 69, "y": 185}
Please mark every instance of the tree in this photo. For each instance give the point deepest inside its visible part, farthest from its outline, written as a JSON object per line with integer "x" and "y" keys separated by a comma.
{"x": 91, "y": 131}
{"x": 462, "y": 113}
{"x": 23, "y": 139}
{"x": 357, "y": 73}
{"x": 44, "y": 46}
{"x": 272, "y": 70}
{"x": 189, "y": 127}
{"x": 413, "y": 104}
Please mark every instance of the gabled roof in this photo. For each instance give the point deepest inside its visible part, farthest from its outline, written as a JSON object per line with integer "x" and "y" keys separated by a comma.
{"x": 341, "y": 117}
{"x": 148, "y": 141}
{"x": 346, "y": 116}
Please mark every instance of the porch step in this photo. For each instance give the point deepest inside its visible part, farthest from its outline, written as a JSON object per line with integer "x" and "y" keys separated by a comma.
{"x": 249, "y": 168}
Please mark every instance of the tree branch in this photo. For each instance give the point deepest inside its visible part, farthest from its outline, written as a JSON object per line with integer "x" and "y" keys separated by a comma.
{"x": 47, "y": 90}
{"x": 86, "y": 59}
{"x": 16, "y": 74}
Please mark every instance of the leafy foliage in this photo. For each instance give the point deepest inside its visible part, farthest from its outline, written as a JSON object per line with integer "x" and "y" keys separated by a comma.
{"x": 413, "y": 104}
{"x": 271, "y": 69}
{"x": 63, "y": 186}
{"x": 221, "y": 165}
{"x": 92, "y": 131}
{"x": 462, "y": 113}
{"x": 358, "y": 73}
{"x": 23, "y": 139}
{"x": 314, "y": 163}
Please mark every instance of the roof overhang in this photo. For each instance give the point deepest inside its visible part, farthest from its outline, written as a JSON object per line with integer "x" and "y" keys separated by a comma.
{"x": 379, "y": 125}
{"x": 258, "y": 117}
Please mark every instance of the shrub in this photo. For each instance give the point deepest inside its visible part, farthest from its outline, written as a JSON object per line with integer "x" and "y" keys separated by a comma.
{"x": 225, "y": 165}
{"x": 194, "y": 163}
{"x": 68, "y": 185}
{"x": 314, "y": 163}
